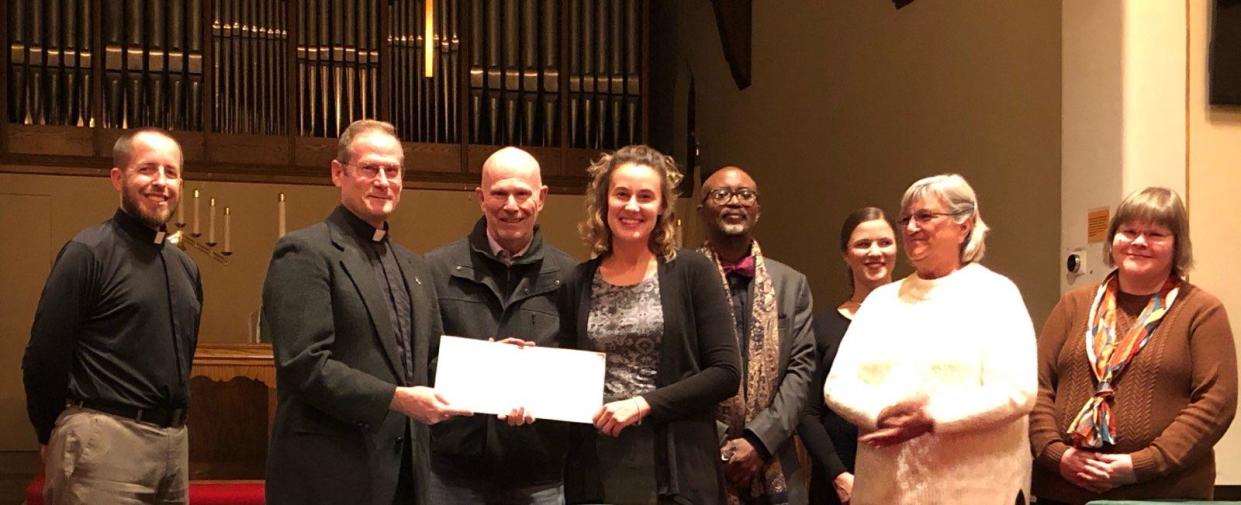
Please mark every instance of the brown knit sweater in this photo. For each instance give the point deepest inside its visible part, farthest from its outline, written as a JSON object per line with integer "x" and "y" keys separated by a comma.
{"x": 1173, "y": 401}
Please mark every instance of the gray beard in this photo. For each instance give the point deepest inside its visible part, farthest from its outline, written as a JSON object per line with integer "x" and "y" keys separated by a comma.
{"x": 732, "y": 229}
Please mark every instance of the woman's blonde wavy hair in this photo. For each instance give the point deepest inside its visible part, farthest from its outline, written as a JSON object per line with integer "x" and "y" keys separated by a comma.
{"x": 594, "y": 230}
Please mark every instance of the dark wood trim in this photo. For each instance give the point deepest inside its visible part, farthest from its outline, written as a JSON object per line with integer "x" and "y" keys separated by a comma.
{"x": 1228, "y": 493}
{"x": 5, "y": 73}
{"x": 644, "y": 75}
{"x": 92, "y": 167}
{"x": 51, "y": 140}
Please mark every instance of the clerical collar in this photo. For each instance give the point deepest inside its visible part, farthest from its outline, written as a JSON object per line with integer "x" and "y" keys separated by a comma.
{"x": 138, "y": 230}
{"x": 364, "y": 229}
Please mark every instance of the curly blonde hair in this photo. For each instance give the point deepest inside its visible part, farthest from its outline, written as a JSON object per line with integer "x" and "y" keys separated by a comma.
{"x": 595, "y": 231}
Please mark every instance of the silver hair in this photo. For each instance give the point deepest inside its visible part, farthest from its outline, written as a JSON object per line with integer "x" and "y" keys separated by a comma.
{"x": 962, "y": 203}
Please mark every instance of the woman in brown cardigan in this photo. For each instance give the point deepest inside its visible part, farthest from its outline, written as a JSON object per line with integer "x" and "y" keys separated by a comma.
{"x": 1137, "y": 375}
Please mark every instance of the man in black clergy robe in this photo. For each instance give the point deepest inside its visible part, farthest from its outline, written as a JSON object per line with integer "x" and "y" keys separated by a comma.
{"x": 352, "y": 317}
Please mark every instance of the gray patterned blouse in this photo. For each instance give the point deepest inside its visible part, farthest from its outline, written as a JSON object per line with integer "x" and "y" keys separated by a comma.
{"x": 627, "y": 323}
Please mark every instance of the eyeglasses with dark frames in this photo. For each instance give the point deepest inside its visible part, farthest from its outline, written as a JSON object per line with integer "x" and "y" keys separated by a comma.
{"x": 721, "y": 196}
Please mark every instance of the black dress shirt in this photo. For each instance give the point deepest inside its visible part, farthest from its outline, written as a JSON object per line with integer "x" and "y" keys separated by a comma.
{"x": 741, "y": 296}
{"x": 387, "y": 272}
{"x": 117, "y": 323}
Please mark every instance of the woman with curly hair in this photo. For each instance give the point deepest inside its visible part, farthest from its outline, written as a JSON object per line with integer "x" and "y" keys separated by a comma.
{"x": 662, "y": 317}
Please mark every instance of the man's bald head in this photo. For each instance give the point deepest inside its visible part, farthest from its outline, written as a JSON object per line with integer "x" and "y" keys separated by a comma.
{"x": 729, "y": 206}
{"x": 511, "y": 162}
{"x": 511, "y": 195}
{"x": 728, "y": 175}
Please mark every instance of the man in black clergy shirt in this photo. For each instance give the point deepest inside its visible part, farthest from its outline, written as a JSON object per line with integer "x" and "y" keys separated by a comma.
{"x": 351, "y": 316}
{"x": 772, "y": 309}
{"x": 107, "y": 367}
{"x": 501, "y": 281}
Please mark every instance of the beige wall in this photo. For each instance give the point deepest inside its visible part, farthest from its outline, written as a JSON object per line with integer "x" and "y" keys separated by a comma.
{"x": 1214, "y": 183}
{"x": 1123, "y": 81}
{"x": 1135, "y": 115}
{"x": 852, "y": 101}
{"x": 38, "y": 213}
{"x": 1092, "y": 133}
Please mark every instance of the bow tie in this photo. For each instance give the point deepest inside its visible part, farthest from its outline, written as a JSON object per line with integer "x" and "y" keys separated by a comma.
{"x": 744, "y": 268}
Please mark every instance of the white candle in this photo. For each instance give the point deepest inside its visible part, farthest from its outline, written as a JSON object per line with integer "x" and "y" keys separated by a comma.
{"x": 195, "y": 230}
{"x": 280, "y": 217}
{"x": 211, "y": 223}
{"x": 180, "y": 213}
{"x": 228, "y": 231}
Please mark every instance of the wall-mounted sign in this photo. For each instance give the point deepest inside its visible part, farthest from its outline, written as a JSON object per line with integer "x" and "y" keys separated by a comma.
{"x": 1096, "y": 224}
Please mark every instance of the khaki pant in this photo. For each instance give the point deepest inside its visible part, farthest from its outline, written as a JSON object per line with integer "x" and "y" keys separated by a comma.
{"x": 97, "y": 458}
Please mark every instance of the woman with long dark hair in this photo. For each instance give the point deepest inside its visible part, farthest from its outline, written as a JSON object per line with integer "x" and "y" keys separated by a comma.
{"x": 868, "y": 248}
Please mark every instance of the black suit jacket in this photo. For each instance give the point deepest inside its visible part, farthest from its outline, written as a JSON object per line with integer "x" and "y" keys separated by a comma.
{"x": 334, "y": 439}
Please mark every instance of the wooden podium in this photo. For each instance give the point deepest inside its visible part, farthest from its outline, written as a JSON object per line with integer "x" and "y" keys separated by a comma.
{"x": 233, "y": 402}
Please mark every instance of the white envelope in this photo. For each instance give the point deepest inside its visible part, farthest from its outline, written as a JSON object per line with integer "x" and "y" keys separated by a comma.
{"x": 494, "y": 378}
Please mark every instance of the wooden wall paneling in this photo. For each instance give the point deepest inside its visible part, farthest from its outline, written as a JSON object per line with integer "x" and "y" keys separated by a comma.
{"x": 577, "y": 160}
{"x": 230, "y": 434}
{"x": 244, "y": 149}
{"x": 5, "y": 72}
{"x": 314, "y": 152}
{"x": 50, "y": 140}
{"x": 193, "y": 147}
{"x": 476, "y": 154}
{"x": 432, "y": 157}
{"x": 549, "y": 158}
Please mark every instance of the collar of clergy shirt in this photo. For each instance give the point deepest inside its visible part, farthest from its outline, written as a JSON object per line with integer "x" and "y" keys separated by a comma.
{"x": 140, "y": 231}
{"x": 364, "y": 229}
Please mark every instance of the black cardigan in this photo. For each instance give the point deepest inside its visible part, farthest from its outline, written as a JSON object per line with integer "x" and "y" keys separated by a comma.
{"x": 829, "y": 438}
{"x": 699, "y": 367}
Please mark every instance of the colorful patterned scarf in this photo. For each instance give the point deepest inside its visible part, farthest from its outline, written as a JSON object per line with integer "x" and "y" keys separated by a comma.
{"x": 762, "y": 379}
{"x": 1094, "y": 425}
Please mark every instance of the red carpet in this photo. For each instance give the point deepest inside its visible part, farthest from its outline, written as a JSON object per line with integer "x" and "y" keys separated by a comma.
{"x": 202, "y": 492}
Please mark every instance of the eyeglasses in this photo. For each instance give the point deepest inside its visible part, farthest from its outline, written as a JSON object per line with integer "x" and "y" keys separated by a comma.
{"x": 721, "y": 196}
{"x": 372, "y": 170}
{"x": 923, "y": 217}
{"x": 1132, "y": 234}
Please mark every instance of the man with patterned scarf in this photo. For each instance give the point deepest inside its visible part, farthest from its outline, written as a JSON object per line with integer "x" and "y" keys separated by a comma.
{"x": 771, "y": 307}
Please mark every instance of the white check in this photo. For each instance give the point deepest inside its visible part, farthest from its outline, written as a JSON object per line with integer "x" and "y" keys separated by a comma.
{"x": 494, "y": 378}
